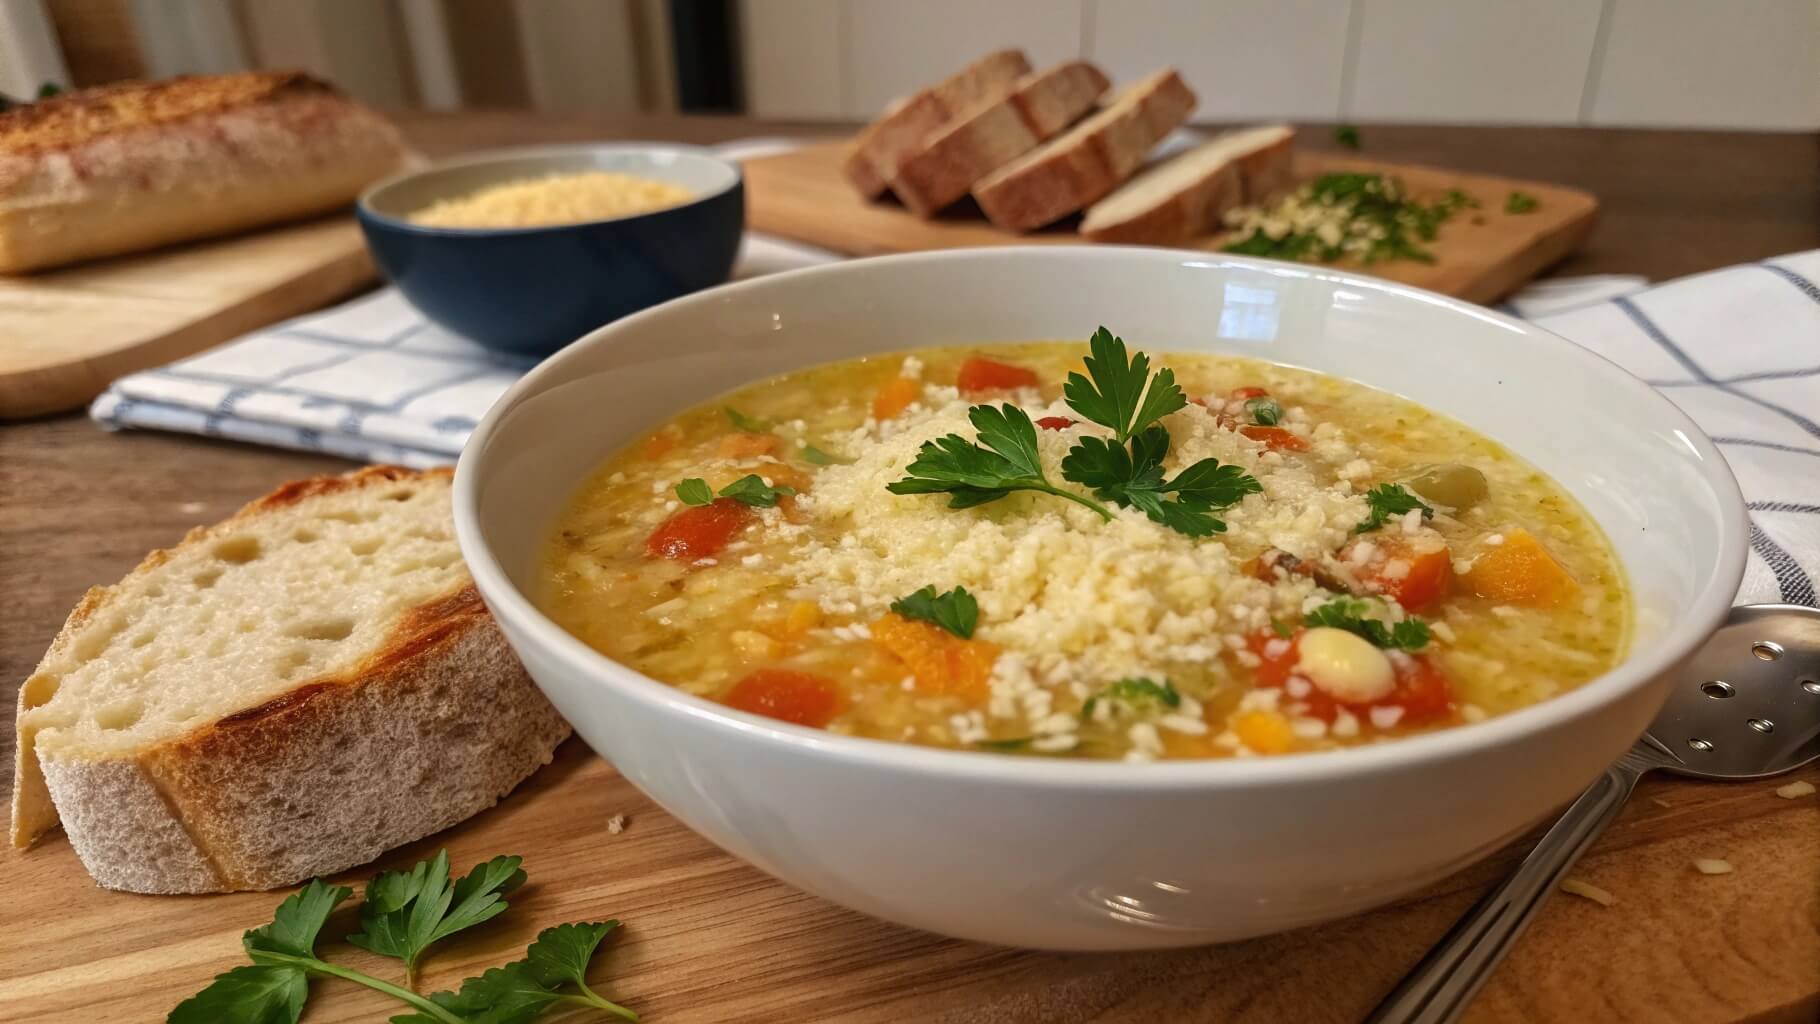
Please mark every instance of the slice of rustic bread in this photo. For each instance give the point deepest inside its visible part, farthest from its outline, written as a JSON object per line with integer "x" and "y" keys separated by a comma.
{"x": 1079, "y": 166}
{"x": 875, "y": 154}
{"x": 287, "y": 693}
{"x": 1186, "y": 195}
{"x": 994, "y": 133}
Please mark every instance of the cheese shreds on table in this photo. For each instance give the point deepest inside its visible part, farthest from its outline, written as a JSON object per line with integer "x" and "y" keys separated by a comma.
{"x": 1581, "y": 887}
{"x": 1795, "y": 790}
{"x": 553, "y": 200}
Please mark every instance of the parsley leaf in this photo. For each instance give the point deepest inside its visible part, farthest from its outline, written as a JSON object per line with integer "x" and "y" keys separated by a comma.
{"x": 749, "y": 424}
{"x": 247, "y": 995}
{"x": 816, "y": 456}
{"x": 1281, "y": 628}
{"x": 297, "y": 921}
{"x": 1112, "y": 397}
{"x": 1388, "y": 501}
{"x": 404, "y": 913}
{"x": 1134, "y": 479}
{"x": 1134, "y": 694}
{"x": 974, "y": 475}
{"x": 1263, "y": 411}
{"x": 955, "y": 611}
{"x": 523, "y": 989}
{"x": 1347, "y": 135}
{"x": 1354, "y": 616}
{"x": 750, "y": 489}
{"x": 1520, "y": 202}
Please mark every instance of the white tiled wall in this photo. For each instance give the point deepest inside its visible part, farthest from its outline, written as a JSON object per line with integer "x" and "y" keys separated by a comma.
{"x": 1696, "y": 63}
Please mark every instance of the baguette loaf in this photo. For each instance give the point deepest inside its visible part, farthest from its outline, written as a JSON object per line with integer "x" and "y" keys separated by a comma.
{"x": 994, "y": 133}
{"x": 288, "y": 693}
{"x": 1186, "y": 195}
{"x": 118, "y": 169}
{"x": 1079, "y": 166}
{"x": 873, "y": 158}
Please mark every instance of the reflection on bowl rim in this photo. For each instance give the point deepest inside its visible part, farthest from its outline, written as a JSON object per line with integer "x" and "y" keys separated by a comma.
{"x": 364, "y": 205}
{"x": 1408, "y": 752}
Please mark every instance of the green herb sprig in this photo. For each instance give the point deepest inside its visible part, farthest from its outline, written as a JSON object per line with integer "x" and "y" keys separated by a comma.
{"x": 750, "y": 489}
{"x": 1003, "y": 462}
{"x": 955, "y": 611}
{"x": 1354, "y": 615}
{"x": 1520, "y": 202}
{"x": 1347, "y": 135}
{"x": 1136, "y": 694}
{"x": 402, "y": 914}
{"x": 1388, "y": 501}
{"x": 1378, "y": 222}
{"x": 749, "y": 424}
{"x": 815, "y": 456}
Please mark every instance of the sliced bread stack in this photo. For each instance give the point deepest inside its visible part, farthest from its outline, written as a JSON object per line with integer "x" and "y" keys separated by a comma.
{"x": 873, "y": 158}
{"x": 994, "y": 133}
{"x": 287, "y": 693}
{"x": 1076, "y": 168}
{"x": 1186, "y": 196}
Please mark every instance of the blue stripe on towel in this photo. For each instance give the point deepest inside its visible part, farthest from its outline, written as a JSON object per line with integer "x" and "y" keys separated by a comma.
{"x": 1791, "y": 579}
{"x": 1807, "y": 287}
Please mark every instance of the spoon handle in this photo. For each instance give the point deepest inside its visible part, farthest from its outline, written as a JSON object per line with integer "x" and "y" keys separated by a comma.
{"x": 1438, "y": 989}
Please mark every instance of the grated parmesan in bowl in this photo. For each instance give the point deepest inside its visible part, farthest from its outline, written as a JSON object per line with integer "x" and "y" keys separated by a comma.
{"x": 552, "y": 200}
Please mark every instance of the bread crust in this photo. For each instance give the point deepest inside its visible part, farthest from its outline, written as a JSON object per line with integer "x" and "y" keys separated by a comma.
{"x": 873, "y": 158}
{"x": 101, "y": 172}
{"x": 436, "y": 725}
{"x": 1089, "y": 160}
{"x": 1190, "y": 211}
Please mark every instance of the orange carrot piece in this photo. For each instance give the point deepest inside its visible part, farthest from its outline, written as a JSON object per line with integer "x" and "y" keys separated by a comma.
{"x": 939, "y": 661}
{"x": 1521, "y": 571}
{"x": 895, "y": 397}
{"x": 788, "y": 696}
{"x": 741, "y": 445}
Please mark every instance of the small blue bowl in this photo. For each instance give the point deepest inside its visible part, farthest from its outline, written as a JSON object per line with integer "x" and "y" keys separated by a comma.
{"x": 531, "y": 291}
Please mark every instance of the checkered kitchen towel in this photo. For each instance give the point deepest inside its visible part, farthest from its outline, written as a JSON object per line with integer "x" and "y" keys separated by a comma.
{"x": 1738, "y": 349}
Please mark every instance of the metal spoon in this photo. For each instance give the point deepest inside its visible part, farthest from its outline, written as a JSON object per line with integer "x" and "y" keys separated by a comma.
{"x": 1745, "y": 706}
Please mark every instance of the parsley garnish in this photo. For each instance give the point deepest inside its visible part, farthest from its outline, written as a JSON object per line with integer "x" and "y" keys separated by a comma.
{"x": 1520, "y": 202}
{"x": 1134, "y": 479}
{"x": 1135, "y": 694}
{"x": 1347, "y": 135}
{"x": 1263, "y": 411}
{"x": 1117, "y": 397}
{"x": 955, "y": 611}
{"x": 816, "y": 456}
{"x": 1281, "y": 628}
{"x": 749, "y": 424}
{"x": 1354, "y": 616}
{"x": 750, "y": 489}
{"x": 402, "y": 914}
{"x": 973, "y": 474}
{"x": 1377, "y": 221}
{"x": 1388, "y": 501}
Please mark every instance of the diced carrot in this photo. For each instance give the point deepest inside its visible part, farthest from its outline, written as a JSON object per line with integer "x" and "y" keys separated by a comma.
{"x": 788, "y": 696}
{"x": 1251, "y": 392}
{"x": 1263, "y": 731}
{"x": 1422, "y": 576}
{"x": 1055, "y": 422}
{"x": 1423, "y": 692}
{"x": 659, "y": 444}
{"x": 895, "y": 397}
{"x": 1277, "y": 439}
{"x": 700, "y": 531}
{"x": 1276, "y": 656}
{"x": 742, "y": 445}
{"x": 981, "y": 374}
{"x": 939, "y": 661}
{"x": 1521, "y": 571}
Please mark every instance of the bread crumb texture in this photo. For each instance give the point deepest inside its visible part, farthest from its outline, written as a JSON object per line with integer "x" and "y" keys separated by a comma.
{"x": 67, "y": 120}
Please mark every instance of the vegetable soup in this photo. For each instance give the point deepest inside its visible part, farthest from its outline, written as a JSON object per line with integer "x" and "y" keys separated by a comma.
{"x": 1066, "y": 550}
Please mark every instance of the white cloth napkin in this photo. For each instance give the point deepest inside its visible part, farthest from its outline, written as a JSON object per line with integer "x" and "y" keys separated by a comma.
{"x": 1738, "y": 349}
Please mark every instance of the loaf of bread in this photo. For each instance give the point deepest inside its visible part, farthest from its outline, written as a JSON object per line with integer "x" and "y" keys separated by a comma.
{"x": 1077, "y": 167}
{"x": 288, "y": 693}
{"x": 872, "y": 160}
{"x": 1186, "y": 195}
{"x": 994, "y": 133}
{"x": 118, "y": 169}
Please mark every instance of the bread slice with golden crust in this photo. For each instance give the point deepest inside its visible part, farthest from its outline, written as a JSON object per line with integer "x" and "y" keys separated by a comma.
{"x": 994, "y": 133}
{"x": 121, "y": 168}
{"x": 1186, "y": 195}
{"x": 1077, "y": 167}
{"x": 287, "y": 693}
{"x": 873, "y": 157}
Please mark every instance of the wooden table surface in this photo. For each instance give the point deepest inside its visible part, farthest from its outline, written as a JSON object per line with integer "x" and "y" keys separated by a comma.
{"x": 80, "y": 506}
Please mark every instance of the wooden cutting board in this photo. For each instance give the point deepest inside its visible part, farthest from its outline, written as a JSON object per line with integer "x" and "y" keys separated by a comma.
{"x": 66, "y": 334}
{"x": 708, "y": 939}
{"x": 1481, "y": 255}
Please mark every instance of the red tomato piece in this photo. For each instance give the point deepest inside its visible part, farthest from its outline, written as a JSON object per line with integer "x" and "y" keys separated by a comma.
{"x": 700, "y": 531}
{"x": 981, "y": 374}
{"x": 1277, "y": 655}
{"x": 801, "y": 698}
{"x": 1056, "y": 422}
{"x": 1429, "y": 578}
{"x": 1423, "y": 692}
{"x": 1276, "y": 438}
{"x": 1250, "y": 393}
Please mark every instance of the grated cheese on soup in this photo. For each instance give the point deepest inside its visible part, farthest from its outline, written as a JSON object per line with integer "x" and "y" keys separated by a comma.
{"x": 751, "y": 551}
{"x": 553, "y": 200}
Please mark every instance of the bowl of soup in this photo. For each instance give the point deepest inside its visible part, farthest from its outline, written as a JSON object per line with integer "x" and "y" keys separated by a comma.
{"x": 524, "y": 250}
{"x": 1097, "y": 598}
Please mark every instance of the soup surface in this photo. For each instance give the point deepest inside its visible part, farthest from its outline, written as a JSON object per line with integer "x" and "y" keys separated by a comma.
{"x": 974, "y": 549}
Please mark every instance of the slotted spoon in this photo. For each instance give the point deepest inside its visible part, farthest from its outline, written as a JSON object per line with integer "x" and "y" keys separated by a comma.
{"x": 1745, "y": 706}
